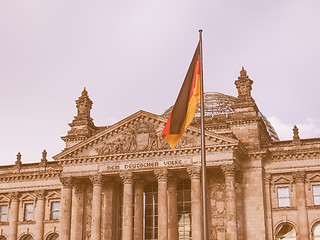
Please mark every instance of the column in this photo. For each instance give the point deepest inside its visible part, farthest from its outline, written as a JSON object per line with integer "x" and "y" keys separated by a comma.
{"x": 229, "y": 175}
{"x": 267, "y": 179}
{"x": 39, "y": 216}
{"x": 77, "y": 210}
{"x": 302, "y": 212}
{"x": 66, "y": 203}
{"x": 96, "y": 207}
{"x": 109, "y": 209}
{"x": 162, "y": 177}
{"x": 127, "y": 221}
{"x": 172, "y": 207}
{"x": 196, "y": 203}
{"x": 13, "y": 216}
{"x": 138, "y": 209}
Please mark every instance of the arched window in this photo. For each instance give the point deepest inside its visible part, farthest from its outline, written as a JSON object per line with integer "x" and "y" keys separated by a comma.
{"x": 316, "y": 231}
{"x": 286, "y": 232}
{"x": 3, "y": 238}
{"x": 53, "y": 236}
{"x": 27, "y": 237}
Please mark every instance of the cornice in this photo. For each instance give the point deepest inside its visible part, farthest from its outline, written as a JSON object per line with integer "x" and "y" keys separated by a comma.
{"x": 290, "y": 154}
{"x": 152, "y": 154}
{"x": 29, "y": 176}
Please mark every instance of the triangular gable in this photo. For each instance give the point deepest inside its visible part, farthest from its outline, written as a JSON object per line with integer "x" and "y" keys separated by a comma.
{"x": 314, "y": 178}
{"x": 27, "y": 197}
{"x": 136, "y": 133}
{"x": 53, "y": 195}
{"x": 282, "y": 180}
{"x": 4, "y": 198}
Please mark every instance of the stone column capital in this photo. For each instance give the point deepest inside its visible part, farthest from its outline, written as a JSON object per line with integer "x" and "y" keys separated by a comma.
{"x": 161, "y": 175}
{"x": 194, "y": 172}
{"x": 96, "y": 180}
{"x": 299, "y": 177}
{"x": 173, "y": 179}
{"x": 229, "y": 170}
{"x": 66, "y": 181}
{"x": 267, "y": 178}
{"x": 14, "y": 196}
{"x": 40, "y": 194}
{"x": 126, "y": 177}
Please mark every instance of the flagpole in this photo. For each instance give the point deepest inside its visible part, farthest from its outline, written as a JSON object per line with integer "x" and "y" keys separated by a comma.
{"x": 203, "y": 149}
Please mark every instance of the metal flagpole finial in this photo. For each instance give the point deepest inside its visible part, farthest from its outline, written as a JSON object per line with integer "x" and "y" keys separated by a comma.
{"x": 200, "y": 30}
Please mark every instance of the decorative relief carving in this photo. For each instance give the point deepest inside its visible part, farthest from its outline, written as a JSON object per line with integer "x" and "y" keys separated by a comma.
{"x": 142, "y": 136}
{"x": 88, "y": 212}
{"x": 194, "y": 172}
{"x": 299, "y": 177}
{"x": 126, "y": 177}
{"x": 217, "y": 200}
{"x": 161, "y": 175}
{"x": 66, "y": 181}
{"x": 96, "y": 179}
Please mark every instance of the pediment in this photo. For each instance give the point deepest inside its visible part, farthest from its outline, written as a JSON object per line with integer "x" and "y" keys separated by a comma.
{"x": 54, "y": 195}
{"x": 139, "y": 133}
{"x": 4, "y": 198}
{"x": 314, "y": 178}
{"x": 27, "y": 197}
{"x": 282, "y": 180}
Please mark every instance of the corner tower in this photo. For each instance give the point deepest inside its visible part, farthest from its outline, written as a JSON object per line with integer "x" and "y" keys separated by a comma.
{"x": 247, "y": 121}
{"x": 82, "y": 126}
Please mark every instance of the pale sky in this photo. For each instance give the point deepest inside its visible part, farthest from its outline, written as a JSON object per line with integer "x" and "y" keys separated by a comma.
{"x": 133, "y": 55}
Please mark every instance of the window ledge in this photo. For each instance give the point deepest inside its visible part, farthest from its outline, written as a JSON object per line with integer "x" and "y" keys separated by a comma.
{"x": 4, "y": 223}
{"x": 313, "y": 207}
{"x": 27, "y": 222}
{"x": 52, "y": 221}
{"x": 283, "y": 208}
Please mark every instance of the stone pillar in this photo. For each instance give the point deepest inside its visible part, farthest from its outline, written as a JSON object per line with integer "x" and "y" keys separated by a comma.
{"x": 13, "y": 216}
{"x": 39, "y": 215}
{"x": 109, "y": 208}
{"x": 66, "y": 203}
{"x": 162, "y": 177}
{"x": 138, "y": 209}
{"x": 127, "y": 221}
{"x": 172, "y": 208}
{"x": 96, "y": 207}
{"x": 302, "y": 212}
{"x": 269, "y": 228}
{"x": 196, "y": 203}
{"x": 77, "y": 210}
{"x": 229, "y": 174}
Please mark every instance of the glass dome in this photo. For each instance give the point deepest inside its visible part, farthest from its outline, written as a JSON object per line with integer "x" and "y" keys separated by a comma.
{"x": 219, "y": 103}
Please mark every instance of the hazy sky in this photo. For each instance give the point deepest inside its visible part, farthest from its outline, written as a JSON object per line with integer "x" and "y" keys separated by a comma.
{"x": 133, "y": 55}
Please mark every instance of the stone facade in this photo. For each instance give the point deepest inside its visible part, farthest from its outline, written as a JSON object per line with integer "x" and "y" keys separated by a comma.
{"x": 124, "y": 182}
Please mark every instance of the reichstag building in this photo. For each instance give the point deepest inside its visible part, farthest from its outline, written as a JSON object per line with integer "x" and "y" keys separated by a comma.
{"x": 124, "y": 182}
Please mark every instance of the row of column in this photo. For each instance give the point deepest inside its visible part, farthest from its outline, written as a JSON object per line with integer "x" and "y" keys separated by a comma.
{"x": 39, "y": 216}
{"x": 167, "y": 206}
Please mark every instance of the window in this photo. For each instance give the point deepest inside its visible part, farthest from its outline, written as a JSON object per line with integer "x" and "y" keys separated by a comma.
{"x": 316, "y": 232}
{"x": 184, "y": 209}
{"x": 53, "y": 236}
{"x": 286, "y": 232}
{"x": 150, "y": 198}
{"x": 28, "y": 212}
{"x": 3, "y": 213}
{"x": 55, "y": 210}
{"x": 283, "y": 197}
{"x": 27, "y": 237}
{"x": 316, "y": 194}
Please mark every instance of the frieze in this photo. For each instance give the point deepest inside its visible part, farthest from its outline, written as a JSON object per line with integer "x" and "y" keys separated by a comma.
{"x": 144, "y": 136}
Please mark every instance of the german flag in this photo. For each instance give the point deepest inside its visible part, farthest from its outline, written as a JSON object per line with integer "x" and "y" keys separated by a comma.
{"x": 186, "y": 104}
